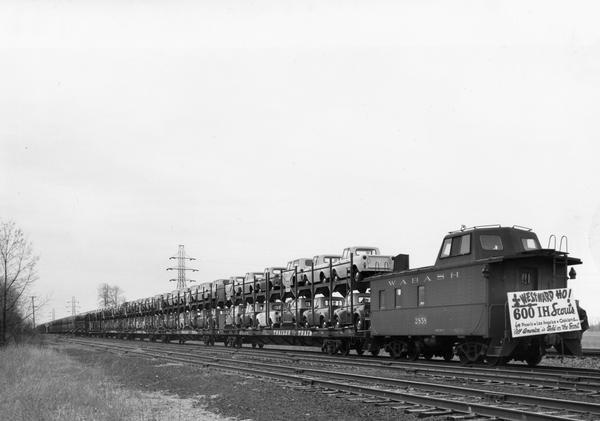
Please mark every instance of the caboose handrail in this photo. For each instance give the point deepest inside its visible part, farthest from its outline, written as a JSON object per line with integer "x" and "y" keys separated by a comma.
{"x": 475, "y": 227}
{"x": 550, "y": 240}
{"x": 566, "y": 244}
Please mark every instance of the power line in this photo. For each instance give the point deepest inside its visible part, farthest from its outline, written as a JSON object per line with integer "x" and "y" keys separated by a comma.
{"x": 181, "y": 269}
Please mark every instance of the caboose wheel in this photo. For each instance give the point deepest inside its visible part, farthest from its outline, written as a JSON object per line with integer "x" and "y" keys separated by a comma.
{"x": 396, "y": 349}
{"x": 533, "y": 359}
{"x": 495, "y": 361}
{"x": 374, "y": 351}
{"x": 470, "y": 352}
{"x": 414, "y": 350}
{"x": 448, "y": 355}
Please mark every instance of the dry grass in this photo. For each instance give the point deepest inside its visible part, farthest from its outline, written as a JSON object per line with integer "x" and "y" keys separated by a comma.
{"x": 41, "y": 384}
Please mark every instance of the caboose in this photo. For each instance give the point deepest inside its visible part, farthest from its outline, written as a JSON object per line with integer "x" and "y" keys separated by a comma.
{"x": 460, "y": 304}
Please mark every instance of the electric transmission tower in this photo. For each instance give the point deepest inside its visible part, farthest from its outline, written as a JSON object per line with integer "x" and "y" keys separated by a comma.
{"x": 73, "y": 305}
{"x": 181, "y": 258}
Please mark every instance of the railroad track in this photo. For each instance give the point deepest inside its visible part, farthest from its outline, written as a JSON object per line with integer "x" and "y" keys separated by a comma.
{"x": 578, "y": 382}
{"x": 412, "y": 396}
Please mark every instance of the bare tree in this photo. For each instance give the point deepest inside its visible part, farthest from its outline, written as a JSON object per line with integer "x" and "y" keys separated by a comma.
{"x": 104, "y": 296}
{"x": 18, "y": 265}
{"x": 110, "y": 296}
{"x": 117, "y": 295}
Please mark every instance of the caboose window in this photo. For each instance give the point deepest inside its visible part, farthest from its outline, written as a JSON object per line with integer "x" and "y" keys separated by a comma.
{"x": 446, "y": 247}
{"x": 398, "y": 296}
{"x": 456, "y": 246}
{"x": 382, "y": 299}
{"x": 465, "y": 244}
{"x": 530, "y": 244}
{"x": 491, "y": 242}
{"x": 421, "y": 295}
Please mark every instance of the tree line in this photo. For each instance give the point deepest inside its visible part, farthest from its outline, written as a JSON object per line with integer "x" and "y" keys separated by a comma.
{"x": 18, "y": 264}
{"x": 18, "y": 273}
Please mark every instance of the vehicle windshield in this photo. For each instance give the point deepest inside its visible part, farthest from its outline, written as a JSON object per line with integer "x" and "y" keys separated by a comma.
{"x": 366, "y": 252}
{"x": 276, "y": 306}
{"x": 334, "y": 302}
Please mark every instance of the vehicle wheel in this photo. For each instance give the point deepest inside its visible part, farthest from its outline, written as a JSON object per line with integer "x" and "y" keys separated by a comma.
{"x": 253, "y": 345}
{"x": 357, "y": 275}
{"x": 305, "y": 322}
{"x": 323, "y": 323}
{"x": 359, "y": 348}
{"x": 357, "y": 322}
{"x": 428, "y": 355}
{"x": 374, "y": 351}
{"x": 261, "y": 346}
{"x": 448, "y": 355}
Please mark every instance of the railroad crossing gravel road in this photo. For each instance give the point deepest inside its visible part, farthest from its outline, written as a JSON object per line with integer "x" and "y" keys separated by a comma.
{"x": 230, "y": 395}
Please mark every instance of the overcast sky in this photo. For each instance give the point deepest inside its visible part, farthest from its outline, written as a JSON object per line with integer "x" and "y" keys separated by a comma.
{"x": 258, "y": 132}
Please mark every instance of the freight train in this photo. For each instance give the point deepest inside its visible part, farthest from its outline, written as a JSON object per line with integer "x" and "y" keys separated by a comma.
{"x": 366, "y": 302}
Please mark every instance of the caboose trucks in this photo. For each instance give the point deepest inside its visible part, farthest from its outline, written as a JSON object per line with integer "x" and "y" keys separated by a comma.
{"x": 459, "y": 305}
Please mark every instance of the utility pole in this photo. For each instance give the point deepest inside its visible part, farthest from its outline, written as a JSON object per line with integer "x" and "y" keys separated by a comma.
{"x": 73, "y": 304}
{"x": 33, "y": 310}
{"x": 181, "y": 258}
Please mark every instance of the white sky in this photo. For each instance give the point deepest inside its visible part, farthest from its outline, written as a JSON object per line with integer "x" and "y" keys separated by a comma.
{"x": 257, "y": 132}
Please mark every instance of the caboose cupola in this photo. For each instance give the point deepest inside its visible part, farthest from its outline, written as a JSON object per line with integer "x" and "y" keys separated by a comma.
{"x": 483, "y": 242}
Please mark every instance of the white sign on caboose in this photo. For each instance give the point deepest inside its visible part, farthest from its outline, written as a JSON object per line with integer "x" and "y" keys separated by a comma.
{"x": 542, "y": 311}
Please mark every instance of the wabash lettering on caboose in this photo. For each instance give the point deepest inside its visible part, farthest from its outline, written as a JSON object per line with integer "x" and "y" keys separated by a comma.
{"x": 424, "y": 278}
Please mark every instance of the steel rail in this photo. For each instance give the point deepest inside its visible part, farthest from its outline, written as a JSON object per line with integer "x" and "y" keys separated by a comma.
{"x": 548, "y": 406}
{"x": 525, "y": 377}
